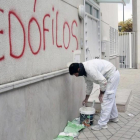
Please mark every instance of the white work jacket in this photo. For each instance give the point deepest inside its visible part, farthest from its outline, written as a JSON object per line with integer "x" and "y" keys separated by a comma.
{"x": 98, "y": 71}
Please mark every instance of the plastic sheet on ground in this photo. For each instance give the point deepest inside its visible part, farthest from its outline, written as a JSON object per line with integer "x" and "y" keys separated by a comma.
{"x": 76, "y": 121}
{"x": 64, "y": 138}
{"x": 71, "y": 130}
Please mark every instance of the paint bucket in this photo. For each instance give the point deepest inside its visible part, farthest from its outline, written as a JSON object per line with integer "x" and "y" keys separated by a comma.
{"x": 87, "y": 115}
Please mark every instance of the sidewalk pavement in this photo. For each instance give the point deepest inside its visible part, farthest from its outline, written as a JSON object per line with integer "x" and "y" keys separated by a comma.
{"x": 128, "y": 127}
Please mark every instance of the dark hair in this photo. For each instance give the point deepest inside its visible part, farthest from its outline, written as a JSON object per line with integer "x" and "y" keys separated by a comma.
{"x": 73, "y": 68}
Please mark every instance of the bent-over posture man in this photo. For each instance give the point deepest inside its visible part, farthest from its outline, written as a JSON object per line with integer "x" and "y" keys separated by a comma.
{"x": 107, "y": 76}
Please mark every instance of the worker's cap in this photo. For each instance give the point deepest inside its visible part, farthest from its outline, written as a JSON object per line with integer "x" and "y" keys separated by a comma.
{"x": 73, "y": 68}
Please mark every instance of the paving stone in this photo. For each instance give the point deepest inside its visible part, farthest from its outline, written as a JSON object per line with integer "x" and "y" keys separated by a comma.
{"x": 83, "y": 139}
{"x": 127, "y": 126}
{"x": 133, "y": 121}
{"x": 86, "y": 130}
{"x": 136, "y": 103}
{"x": 132, "y": 130}
{"x": 123, "y": 139}
{"x": 133, "y": 112}
{"x": 81, "y": 136}
{"x": 121, "y": 132}
{"x": 109, "y": 126}
{"x": 114, "y": 138}
{"x": 97, "y": 133}
{"x": 123, "y": 119}
{"x": 135, "y": 138}
{"x": 121, "y": 113}
{"x": 129, "y": 133}
{"x": 112, "y": 131}
{"x": 106, "y": 132}
{"x": 131, "y": 124}
{"x": 135, "y": 106}
{"x": 89, "y": 134}
{"x": 118, "y": 135}
{"x": 135, "y": 99}
{"x": 108, "y": 136}
{"x": 121, "y": 124}
{"x": 124, "y": 129}
{"x": 75, "y": 139}
{"x": 92, "y": 139}
{"x": 137, "y": 134}
{"x": 137, "y": 125}
{"x": 135, "y": 128}
{"x": 114, "y": 125}
{"x": 102, "y": 138}
{"x": 117, "y": 128}
{"x": 126, "y": 136}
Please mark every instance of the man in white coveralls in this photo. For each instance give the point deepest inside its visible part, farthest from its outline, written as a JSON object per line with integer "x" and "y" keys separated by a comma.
{"x": 107, "y": 76}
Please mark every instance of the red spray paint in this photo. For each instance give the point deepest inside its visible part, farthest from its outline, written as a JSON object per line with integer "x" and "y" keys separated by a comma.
{"x": 73, "y": 34}
{"x": 66, "y": 23}
{"x": 2, "y": 32}
{"x": 10, "y": 37}
{"x": 28, "y": 30}
{"x": 31, "y": 20}
{"x": 59, "y": 46}
{"x": 34, "y": 5}
{"x": 45, "y": 29}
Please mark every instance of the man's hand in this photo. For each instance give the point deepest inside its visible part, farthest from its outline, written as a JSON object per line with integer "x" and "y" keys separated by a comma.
{"x": 101, "y": 97}
{"x": 84, "y": 103}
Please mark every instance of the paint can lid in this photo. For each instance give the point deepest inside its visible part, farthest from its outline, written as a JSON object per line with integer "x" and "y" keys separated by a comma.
{"x": 87, "y": 110}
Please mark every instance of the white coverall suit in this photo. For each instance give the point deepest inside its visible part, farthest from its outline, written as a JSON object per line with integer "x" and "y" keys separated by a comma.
{"x": 107, "y": 76}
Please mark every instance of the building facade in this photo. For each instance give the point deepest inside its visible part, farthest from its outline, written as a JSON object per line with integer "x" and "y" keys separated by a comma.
{"x": 38, "y": 39}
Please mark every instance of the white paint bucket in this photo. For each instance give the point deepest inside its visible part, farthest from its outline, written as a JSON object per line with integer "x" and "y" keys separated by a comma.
{"x": 87, "y": 115}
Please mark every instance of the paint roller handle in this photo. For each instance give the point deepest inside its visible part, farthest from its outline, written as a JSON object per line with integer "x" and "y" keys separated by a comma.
{"x": 93, "y": 104}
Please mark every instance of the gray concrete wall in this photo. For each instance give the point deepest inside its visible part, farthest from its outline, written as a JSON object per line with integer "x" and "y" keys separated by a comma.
{"x": 136, "y": 28}
{"x": 41, "y": 110}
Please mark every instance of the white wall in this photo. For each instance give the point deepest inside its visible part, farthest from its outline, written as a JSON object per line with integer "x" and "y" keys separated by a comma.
{"x": 109, "y": 17}
{"x": 110, "y": 14}
{"x": 20, "y": 61}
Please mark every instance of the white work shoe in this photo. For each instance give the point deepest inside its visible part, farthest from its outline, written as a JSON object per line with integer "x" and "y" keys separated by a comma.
{"x": 98, "y": 127}
{"x": 115, "y": 120}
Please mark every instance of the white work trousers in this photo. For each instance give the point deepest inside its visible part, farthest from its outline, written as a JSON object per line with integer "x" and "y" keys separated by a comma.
{"x": 108, "y": 107}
